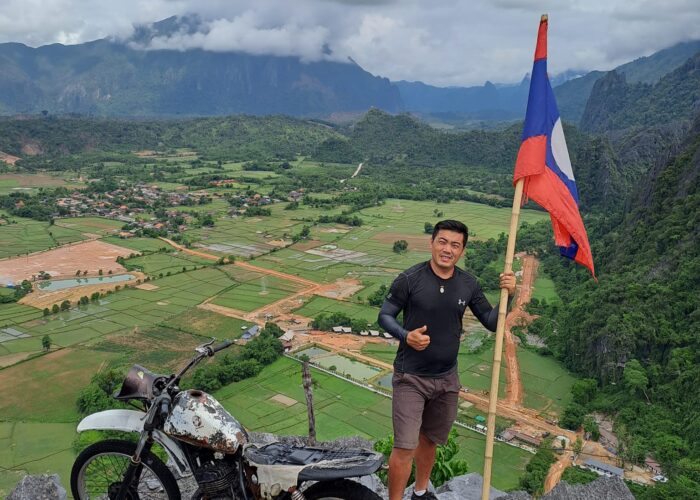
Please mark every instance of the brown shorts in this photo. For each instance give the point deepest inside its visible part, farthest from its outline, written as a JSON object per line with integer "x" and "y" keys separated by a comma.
{"x": 423, "y": 405}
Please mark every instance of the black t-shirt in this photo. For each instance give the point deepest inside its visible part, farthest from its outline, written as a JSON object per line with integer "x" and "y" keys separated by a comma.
{"x": 427, "y": 299}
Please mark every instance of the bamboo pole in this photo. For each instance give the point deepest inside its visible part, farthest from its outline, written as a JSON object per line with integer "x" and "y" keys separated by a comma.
{"x": 498, "y": 349}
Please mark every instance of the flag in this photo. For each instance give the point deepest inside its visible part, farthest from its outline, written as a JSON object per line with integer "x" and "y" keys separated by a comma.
{"x": 543, "y": 162}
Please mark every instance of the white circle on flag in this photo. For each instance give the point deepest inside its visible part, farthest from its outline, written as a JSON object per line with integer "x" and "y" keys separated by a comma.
{"x": 559, "y": 150}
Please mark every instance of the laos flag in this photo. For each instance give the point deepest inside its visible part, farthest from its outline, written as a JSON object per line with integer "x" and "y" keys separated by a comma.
{"x": 543, "y": 162}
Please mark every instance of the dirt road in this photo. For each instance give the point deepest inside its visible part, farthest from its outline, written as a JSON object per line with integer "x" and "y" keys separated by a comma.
{"x": 517, "y": 316}
{"x": 556, "y": 470}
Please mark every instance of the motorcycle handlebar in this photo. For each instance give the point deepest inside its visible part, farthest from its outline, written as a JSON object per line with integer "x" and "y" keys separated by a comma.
{"x": 164, "y": 407}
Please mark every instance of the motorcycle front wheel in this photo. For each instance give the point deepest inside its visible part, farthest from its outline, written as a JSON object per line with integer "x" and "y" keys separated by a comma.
{"x": 341, "y": 489}
{"x": 98, "y": 472}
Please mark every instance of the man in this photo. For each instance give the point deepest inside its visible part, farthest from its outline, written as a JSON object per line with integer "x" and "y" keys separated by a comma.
{"x": 433, "y": 296}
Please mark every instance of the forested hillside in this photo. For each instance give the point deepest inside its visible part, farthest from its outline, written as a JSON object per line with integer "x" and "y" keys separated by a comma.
{"x": 229, "y": 137}
{"x": 616, "y": 104}
{"x": 636, "y": 331}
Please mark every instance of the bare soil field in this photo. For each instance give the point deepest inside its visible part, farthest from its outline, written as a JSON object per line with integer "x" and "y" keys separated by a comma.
{"x": 90, "y": 256}
{"x": 9, "y": 159}
{"x": 307, "y": 245}
{"x": 340, "y": 289}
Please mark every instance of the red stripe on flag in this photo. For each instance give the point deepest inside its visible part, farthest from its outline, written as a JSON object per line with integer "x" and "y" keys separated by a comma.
{"x": 541, "y": 49}
{"x": 531, "y": 157}
{"x": 548, "y": 191}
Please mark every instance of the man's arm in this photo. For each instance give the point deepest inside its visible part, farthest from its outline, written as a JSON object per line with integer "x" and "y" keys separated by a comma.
{"x": 387, "y": 320}
{"x": 487, "y": 315}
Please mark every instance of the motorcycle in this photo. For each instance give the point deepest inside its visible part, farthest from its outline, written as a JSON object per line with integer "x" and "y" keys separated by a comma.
{"x": 202, "y": 440}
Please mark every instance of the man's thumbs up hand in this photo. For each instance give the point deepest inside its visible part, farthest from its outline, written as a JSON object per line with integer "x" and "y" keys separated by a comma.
{"x": 418, "y": 339}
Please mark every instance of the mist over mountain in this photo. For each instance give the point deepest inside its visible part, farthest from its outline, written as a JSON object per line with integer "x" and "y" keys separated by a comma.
{"x": 117, "y": 78}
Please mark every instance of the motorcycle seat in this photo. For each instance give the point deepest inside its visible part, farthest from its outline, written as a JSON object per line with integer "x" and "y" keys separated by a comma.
{"x": 322, "y": 464}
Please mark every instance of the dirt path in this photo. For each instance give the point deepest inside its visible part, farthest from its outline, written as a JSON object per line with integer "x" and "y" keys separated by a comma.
{"x": 556, "y": 470}
{"x": 518, "y": 316}
{"x": 204, "y": 255}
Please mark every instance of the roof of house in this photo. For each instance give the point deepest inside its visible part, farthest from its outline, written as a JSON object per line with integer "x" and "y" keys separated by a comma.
{"x": 535, "y": 440}
{"x": 604, "y": 467}
{"x": 288, "y": 335}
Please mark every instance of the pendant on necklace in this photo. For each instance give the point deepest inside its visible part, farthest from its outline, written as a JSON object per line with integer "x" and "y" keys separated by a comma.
{"x": 442, "y": 289}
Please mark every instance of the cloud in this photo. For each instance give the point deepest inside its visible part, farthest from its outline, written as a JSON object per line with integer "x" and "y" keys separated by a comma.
{"x": 249, "y": 33}
{"x": 444, "y": 42}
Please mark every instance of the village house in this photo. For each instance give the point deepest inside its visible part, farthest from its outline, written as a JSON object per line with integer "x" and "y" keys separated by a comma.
{"x": 603, "y": 469}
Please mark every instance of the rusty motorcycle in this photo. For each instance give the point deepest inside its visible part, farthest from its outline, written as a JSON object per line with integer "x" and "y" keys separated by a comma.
{"x": 200, "y": 439}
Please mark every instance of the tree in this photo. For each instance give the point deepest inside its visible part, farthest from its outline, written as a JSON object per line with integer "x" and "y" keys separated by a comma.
{"x": 97, "y": 396}
{"x": 591, "y": 426}
{"x": 578, "y": 445}
{"x": 55, "y": 308}
{"x": 46, "y": 342}
{"x": 584, "y": 390}
{"x": 400, "y": 246}
{"x": 635, "y": 378}
{"x": 46, "y": 311}
{"x": 376, "y": 299}
{"x": 99, "y": 272}
{"x": 428, "y": 228}
{"x": 65, "y": 305}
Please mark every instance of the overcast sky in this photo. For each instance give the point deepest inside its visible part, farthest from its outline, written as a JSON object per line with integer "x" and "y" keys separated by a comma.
{"x": 441, "y": 42}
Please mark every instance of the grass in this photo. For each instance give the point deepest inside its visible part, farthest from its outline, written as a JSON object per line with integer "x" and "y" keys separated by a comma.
{"x": 55, "y": 379}
{"x": 21, "y": 236}
{"x": 207, "y": 324}
{"x": 543, "y": 288}
{"x": 170, "y": 262}
{"x": 91, "y": 225}
{"x": 35, "y": 448}
{"x": 546, "y": 383}
{"x": 259, "y": 290}
{"x": 317, "y": 305}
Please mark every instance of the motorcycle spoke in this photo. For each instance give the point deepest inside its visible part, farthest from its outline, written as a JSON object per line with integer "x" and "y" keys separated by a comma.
{"x": 107, "y": 469}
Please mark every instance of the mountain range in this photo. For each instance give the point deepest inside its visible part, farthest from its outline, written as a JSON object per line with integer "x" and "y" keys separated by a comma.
{"x": 110, "y": 77}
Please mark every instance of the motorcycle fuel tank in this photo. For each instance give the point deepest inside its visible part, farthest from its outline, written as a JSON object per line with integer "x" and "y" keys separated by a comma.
{"x": 199, "y": 419}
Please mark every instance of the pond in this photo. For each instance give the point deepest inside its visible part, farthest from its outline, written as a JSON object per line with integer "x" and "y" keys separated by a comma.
{"x": 53, "y": 285}
{"x": 346, "y": 366}
{"x": 385, "y": 381}
{"x": 312, "y": 352}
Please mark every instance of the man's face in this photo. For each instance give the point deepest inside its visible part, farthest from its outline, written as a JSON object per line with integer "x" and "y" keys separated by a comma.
{"x": 447, "y": 248}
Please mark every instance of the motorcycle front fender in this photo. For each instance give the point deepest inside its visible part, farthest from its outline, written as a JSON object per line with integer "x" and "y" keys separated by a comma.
{"x": 132, "y": 421}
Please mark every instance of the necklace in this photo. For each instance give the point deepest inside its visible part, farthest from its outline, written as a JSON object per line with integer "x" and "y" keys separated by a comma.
{"x": 442, "y": 288}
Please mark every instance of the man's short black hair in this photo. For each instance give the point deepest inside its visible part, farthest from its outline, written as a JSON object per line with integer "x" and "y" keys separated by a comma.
{"x": 452, "y": 225}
